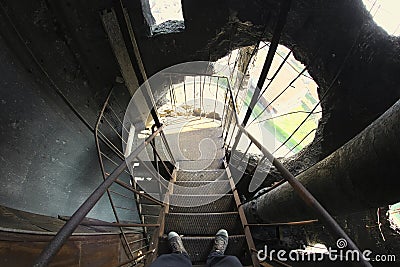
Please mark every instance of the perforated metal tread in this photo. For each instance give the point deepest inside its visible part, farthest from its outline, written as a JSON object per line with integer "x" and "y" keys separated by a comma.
{"x": 200, "y": 183}
{"x": 223, "y": 203}
{"x": 148, "y": 209}
{"x": 205, "y": 175}
{"x": 152, "y": 186}
{"x": 204, "y": 265}
{"x": 202, "y": 187}
{"x": 150, "y": 219}
{"x": 198, "y": 224}
{"x": 203, "y": 164}
{"x": 202, "y": 224}
{"x": 143, "y": 200}
{"x": 199, "y": 248}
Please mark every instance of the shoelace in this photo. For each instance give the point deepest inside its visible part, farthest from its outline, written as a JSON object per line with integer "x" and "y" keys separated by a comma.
{"x": 174, "y": 246}
{"x": 220, "y": 243}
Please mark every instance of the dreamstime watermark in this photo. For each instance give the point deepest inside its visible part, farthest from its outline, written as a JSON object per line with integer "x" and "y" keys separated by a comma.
{"x": 197, "y": 94}
{"x": 332, "y": 254}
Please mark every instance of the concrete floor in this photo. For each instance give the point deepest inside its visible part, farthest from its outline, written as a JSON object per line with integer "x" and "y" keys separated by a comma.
{"x": 190, "y": 138}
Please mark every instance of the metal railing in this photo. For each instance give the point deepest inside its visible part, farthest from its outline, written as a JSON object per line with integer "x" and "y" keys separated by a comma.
{"x": 113, "y": 178}
{"x": 127, "y": 182}
{"x": 235, "y": 128}
{"x": 232, "y": 131}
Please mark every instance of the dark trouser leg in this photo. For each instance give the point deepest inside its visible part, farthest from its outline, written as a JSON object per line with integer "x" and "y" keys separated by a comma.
{"x": 172, "y": 260}
{"x": 216, "y": 259}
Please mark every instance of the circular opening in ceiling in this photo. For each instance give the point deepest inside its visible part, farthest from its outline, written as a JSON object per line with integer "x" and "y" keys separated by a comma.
{"x": 386, "y": 14}
{"x": 289, "y": 104}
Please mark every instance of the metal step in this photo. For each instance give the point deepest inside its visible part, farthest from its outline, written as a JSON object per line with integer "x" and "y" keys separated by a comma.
{"x": 202, "y": 223}
{"x": 150, "y": 219}
{"x": 200, "y": 183}
{"x": 152, "y": 186}
{"x": 203, "y": 164}
{"x": 202, "y": 187}
{"x": 204, "y": 265}
{"x": 143, "y": 200}
{"x": 205, "y": 175}
{"x": 199, "y": 248}
{"x": 223, "y": 203}
{"x": 148, "y": 209}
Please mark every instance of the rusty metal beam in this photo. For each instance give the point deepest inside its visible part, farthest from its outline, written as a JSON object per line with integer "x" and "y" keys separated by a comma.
{"x": 283, "y": 12}
{"x": 112, "y": 28}
{"x": 158, "y": 233}
{"x": 243, "y": 219}
{"x": 105, "y": 224}
{"x": 94, "y": 222}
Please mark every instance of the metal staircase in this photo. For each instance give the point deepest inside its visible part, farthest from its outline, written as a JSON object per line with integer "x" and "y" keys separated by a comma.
{"x": 198, "y": 225}
{"x": 187, "y": 182}
{"x": 155, "y": 218}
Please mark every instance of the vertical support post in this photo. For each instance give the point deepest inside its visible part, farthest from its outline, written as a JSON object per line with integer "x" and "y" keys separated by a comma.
{"x": 171, "y": 98}
{"x": 216, "y": 97}
{"x": 200, "y": 97}
{"x": 229, "y": 124}
{"x": 194, "y": 93}
{"x": 184, "y": 92}
{"x": 223, "y": 111}
{"x": 164, "y": 139}
{"x": 225, "y": 120}
{"x": 153, "y": 144}
{"x": 233, "y": 133}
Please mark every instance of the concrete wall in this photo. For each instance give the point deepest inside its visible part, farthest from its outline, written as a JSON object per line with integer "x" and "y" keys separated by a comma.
{"x": 49, "y": 102}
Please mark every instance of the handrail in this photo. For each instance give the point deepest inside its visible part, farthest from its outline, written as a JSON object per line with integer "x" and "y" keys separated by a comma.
{"x": 303, "y": 193}
{"x": 69, "y": 227}
{"x": 103, "y": 171}
{"x": 130, "y": 187}
{"x": 107, "y": 224}
{"x": 242, "y": 216}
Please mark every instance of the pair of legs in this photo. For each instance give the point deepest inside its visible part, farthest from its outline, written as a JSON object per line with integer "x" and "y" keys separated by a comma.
{"x": 180, "y": 258}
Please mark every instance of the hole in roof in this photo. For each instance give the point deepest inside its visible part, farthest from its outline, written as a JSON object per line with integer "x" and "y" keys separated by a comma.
{"x": 164, "y": 10}
{"x": 164, "y": 16}
{"x": 394, "y": 217}
{"x": 289, "y": 100}
{"x": 386, "y": 14}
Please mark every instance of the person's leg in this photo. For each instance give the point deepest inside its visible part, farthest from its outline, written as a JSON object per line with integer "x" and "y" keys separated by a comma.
{"x": 217, "y": 257}
{"x": 172, "y": 260}
{"x": 178, "y": 257}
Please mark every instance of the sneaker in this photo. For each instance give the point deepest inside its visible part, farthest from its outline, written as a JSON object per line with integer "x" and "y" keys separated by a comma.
{"x": 175, "y": 243}
{"x": 221, "y": 241}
